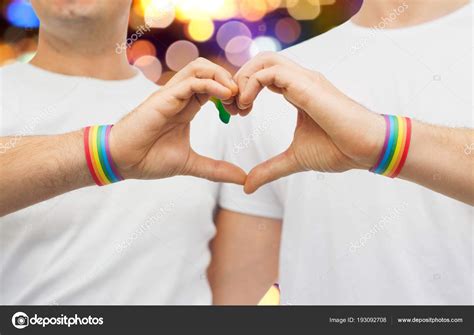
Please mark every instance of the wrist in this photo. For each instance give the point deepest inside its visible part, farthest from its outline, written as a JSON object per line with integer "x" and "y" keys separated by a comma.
{"x": 375, "y": 138}
{"x": 396, "y": 145}
{"x": 364, "y": 139}
{"x": 126, "y": 165}
{"x": 72, "y": 143}
{"x": 97, "y": 149}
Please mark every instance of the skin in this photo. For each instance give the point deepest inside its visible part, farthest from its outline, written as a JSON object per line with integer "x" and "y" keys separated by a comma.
{"x": 416, "y": 13}
{"x": 322, "y": 142}
{"x": 335, "y": 134}
{"x": 151, "y": 142}
{"x": 69, "y": 42}
{"x": 253, "y": 249}
{"x": 56, "y": 163}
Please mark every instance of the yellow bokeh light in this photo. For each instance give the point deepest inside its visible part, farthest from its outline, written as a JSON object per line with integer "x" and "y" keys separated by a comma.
{"x": 304, "y": 9}
{"x": 140, "y": 6}
{"x": 274, "y": 4}
{"x": 292, "y": 3}
{"x": 326, "y": 2}
{"x": 253, "y": 10}
{"x": 271, "y": 298}
{"x": 6, "y": 53}
{"x": 201, "y": 29}
{"x": 187, "y": 10}
{"x": 160, "y": 13}
{"x": 227, "y": 10}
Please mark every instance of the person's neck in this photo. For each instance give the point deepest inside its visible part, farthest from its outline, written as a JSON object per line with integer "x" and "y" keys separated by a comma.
{"x": 414, "y": 12}
{"x": 83, "y": 54}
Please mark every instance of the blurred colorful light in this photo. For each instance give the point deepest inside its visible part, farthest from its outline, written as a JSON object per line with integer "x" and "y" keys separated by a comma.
{"x": 140, "y": 48}
{"x": 253, "y": 10}
{"x": 304, "y": 9}
{"x": 272, "y": 297}
{"x": 264, "y": 43}
{"x": 20, "y": 13}
{"x": 180, "y": 53}
{"x": 227, "y": 10}
{"x": 150, "y": 66}
{"x": 230, "y": 30}
{"x": 187, "y": 10}
{"x": 6, "y": 53}
{"x": 237, "y": 50}
{"x": 243, "y": 32}
{"x": 159, "y": 13}
{"x": 288, "y": 30}
{"x": 200, "y": 30}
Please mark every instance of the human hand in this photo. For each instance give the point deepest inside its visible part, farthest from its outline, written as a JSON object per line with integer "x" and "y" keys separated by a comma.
{"x": 152, "y": 142}
{"x": 333, "y": 133}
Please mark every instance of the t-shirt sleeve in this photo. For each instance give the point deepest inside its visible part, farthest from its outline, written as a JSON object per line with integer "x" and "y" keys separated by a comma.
{"x": 243, "y": 147}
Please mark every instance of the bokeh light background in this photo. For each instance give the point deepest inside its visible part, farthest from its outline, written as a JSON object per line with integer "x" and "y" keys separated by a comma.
{"x": 165, "y": 35}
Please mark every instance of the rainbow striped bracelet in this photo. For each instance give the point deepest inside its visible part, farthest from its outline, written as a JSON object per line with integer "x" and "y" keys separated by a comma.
{"x": 395, "y": 147}
{"x": 98, "y": 157}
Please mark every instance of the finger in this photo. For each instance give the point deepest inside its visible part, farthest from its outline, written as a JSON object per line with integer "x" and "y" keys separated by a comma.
{"x": 246, "y": 110}
{"x": 228, "y": 101}
{"x": 256, "y": 64}
{"x": 204, "y": 69}
{"x": 233, "y": 109}
{"x": 261, "y": 61}
{"x": 275, "y": 168}
{"x": 214, "y": 170}
{"x": 277, "y": 76}
{"x": 230, "y": 107}
{"x": 191, "y": 86}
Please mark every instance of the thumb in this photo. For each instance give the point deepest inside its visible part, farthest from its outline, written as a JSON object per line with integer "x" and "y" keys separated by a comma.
{"x": 275, "y": 168}
{"x": 214, "y": 170}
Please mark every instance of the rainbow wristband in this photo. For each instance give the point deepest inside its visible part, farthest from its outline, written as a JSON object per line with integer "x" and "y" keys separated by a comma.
{"x": 395, "y": 147}
{"x": 98, "y": 157}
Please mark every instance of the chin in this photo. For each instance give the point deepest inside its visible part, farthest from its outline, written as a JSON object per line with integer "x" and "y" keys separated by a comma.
{"x": 71, "y": 9}
{"x": 77, "y": 9}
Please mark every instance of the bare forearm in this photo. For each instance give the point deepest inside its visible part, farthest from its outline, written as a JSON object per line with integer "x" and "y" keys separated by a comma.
{"x": 39, "y": 168}
{"x": 151, "y": 142}
{"x": 244, "y": 258}
{"x": 340, "y": 135}
{"x": 438, "y": 160}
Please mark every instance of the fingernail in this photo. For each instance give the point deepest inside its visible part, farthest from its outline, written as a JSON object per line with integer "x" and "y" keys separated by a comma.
{"x": 241, "y": 106}
{"x": 232, "y": 83}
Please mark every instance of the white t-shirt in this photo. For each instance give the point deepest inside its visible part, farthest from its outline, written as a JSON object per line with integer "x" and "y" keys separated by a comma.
{"x": 356, "y": 237}
{"x": 135, "y": 242}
